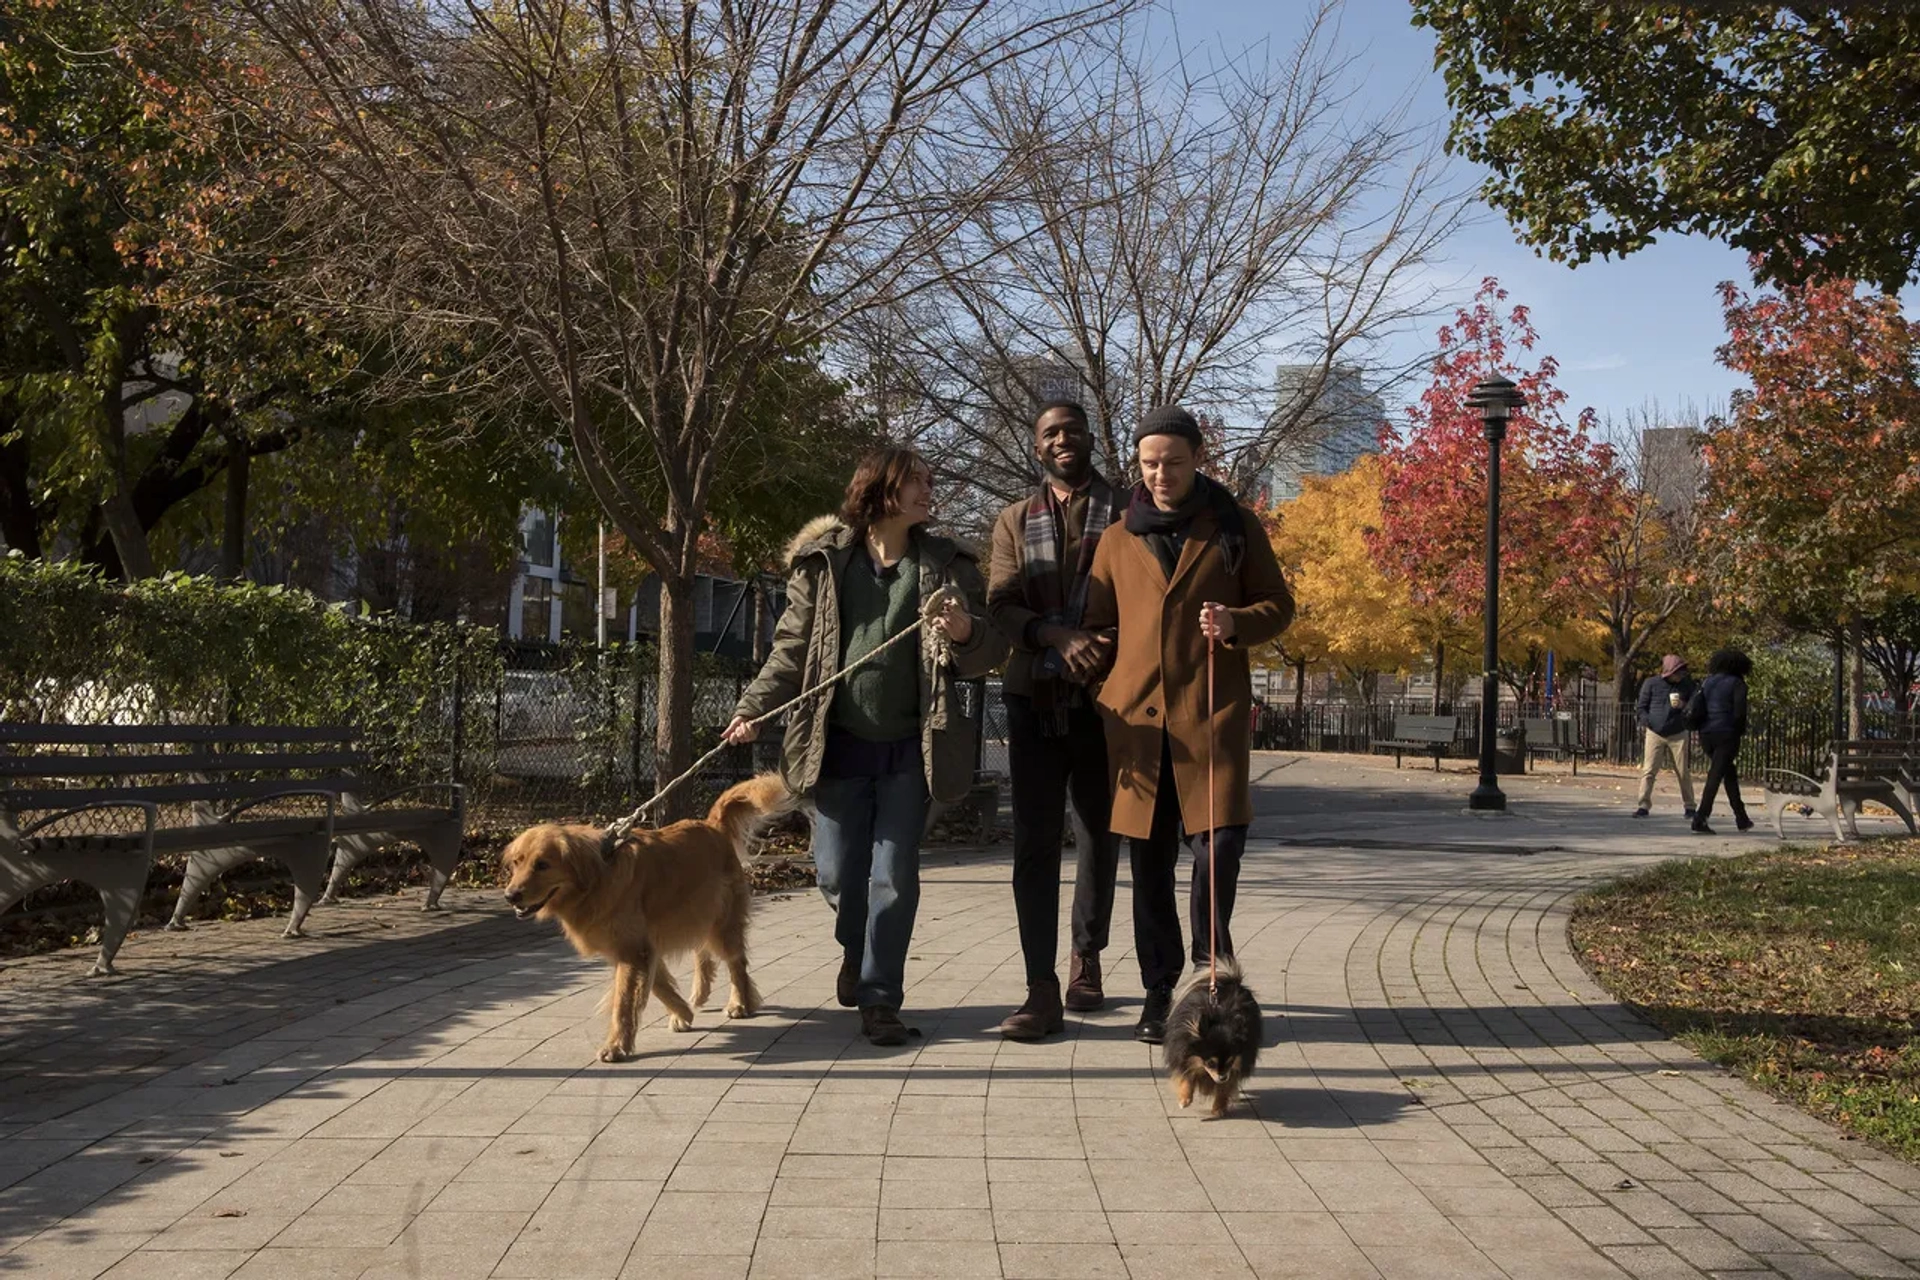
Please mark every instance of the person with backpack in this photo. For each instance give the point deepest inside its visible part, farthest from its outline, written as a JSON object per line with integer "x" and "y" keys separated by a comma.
{"x": 1718, "y": 710}
{"x": 1663, "y": 718}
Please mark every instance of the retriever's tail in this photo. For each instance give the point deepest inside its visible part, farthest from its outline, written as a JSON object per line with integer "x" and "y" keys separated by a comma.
{"x": 743, "y": 807}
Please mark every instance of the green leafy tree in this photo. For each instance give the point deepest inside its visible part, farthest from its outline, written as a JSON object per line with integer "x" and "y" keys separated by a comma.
{"x": 139, "y": 361}
{"x": 1790, "y": 131}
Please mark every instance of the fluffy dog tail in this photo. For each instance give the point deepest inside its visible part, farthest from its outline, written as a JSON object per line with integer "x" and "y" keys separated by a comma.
{"x": 744, "y": 806}
{"x": 1197, "y": 977}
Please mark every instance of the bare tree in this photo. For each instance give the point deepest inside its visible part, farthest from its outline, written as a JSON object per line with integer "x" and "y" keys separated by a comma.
{"x": 635, "y": 209}
{"x": 1177, "y": 231}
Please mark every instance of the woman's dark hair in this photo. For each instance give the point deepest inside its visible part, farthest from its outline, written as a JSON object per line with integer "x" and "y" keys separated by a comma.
{"x": 874, "y": 492}
{"x": 1729, "y": 662}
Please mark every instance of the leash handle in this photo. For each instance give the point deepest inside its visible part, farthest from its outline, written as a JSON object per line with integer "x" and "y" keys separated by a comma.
{"x": 1213, "y": 858}
{"x": 934, "y": 605}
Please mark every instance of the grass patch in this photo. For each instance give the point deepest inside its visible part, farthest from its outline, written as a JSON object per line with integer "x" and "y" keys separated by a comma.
{"x": 1797, "y": 968}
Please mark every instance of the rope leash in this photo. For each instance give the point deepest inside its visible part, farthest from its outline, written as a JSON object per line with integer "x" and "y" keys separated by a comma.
{"x": 938, "y": 649}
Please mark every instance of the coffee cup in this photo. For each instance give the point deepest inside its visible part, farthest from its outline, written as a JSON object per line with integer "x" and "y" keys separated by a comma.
{"x": 1673, "y": 699}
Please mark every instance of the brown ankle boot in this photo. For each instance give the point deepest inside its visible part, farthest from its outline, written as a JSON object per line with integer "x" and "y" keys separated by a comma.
{"x": 1083, "y": 983}
{"x": 1039, "y": 1017}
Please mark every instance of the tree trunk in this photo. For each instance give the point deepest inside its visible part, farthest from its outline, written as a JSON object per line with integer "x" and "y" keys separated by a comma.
{"x": 1839, "y": 642}
{"x": 233, "y": 544}
{"x": 1623, "y": 692}
{"x": 673, "y": 733}
{"x": 117, "y": 512}
{"x": 128, "y": 538}
{"x": 1439, "y": 672}
{"x": 1856, "y": 680}
{"x": 19, "y": 514}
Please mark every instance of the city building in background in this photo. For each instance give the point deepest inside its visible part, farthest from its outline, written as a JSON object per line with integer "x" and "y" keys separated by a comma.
{"x": 1337, "y": 419}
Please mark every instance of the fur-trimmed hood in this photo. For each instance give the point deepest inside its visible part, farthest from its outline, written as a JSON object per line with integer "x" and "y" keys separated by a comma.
{"x": 824, "y": 534}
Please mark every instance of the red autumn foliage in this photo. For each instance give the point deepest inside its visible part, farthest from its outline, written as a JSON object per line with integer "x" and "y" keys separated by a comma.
{"x": 1561, "y": 490}
{"x": 1814, "y": 476}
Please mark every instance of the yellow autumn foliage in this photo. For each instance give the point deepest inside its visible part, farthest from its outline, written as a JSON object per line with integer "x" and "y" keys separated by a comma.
{"x": 1349, "y": 612}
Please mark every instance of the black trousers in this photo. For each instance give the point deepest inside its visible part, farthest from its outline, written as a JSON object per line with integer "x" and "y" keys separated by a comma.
{"x": 1046, "y": 772}
{"x": 1721, "y": 750}
{"x": 1156, "y": 901}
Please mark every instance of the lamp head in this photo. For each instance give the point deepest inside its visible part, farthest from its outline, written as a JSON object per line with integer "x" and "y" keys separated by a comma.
{"x": 1496, "y": 398}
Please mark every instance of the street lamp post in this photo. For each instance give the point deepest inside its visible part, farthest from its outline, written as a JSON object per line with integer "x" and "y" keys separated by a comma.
{"x": 1496, "y": 398}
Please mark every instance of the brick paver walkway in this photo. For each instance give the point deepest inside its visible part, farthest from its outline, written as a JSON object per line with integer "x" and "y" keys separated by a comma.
{"x": 1448, "y": 1094}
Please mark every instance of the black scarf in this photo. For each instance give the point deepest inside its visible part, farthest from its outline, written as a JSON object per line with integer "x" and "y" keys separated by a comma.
{"x": 1166, "y": 531}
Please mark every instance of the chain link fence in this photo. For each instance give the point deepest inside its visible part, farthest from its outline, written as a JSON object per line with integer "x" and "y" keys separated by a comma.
{"x": 568, "y": 732}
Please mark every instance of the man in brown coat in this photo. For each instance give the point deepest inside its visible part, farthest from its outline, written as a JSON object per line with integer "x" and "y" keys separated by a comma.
{"x": 1043, "y": 547}
{"x": 1187, "y": 564}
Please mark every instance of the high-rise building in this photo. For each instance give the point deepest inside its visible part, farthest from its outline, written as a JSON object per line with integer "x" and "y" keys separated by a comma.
{"x": 1675, "y": 469}
{"x": 1334, "y": 420}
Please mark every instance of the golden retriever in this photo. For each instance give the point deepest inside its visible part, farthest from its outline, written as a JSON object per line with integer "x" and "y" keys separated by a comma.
{"x": 656, "y": 895}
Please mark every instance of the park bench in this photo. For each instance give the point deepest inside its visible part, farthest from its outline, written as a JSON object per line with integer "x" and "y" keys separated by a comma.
{"x": 1433, "y": 734}
{"x": 97, "y": 803}
{"x": 1557, "y": 736}
{"x": 1882, "y": 771}
{"x": 1542, "y": 737}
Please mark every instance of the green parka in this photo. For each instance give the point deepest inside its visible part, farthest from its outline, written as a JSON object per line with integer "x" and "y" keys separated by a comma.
{"x": 806, "y": 650}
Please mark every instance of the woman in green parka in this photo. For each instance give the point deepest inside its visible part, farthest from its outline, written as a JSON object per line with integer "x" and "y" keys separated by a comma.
{"x": 894, "y": 738}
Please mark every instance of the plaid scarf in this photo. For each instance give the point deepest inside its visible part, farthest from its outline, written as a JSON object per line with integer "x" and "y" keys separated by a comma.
{"x": 1043, "y": 536}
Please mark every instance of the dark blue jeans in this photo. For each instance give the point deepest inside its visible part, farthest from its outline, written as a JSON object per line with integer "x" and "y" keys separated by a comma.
{"x": 866, "y": 854}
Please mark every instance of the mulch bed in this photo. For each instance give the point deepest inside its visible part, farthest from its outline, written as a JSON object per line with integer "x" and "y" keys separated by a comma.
{"x": 1797, "y": 968}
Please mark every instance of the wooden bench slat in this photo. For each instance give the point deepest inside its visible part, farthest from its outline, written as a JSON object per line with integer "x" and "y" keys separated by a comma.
{"x": 144, "y": 734}
{"x": 385, "y": 819}
{"x": 127, "y": 766}
{"x": 25, "y": 801}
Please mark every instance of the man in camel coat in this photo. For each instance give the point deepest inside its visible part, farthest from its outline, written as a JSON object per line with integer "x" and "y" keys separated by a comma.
{"x": 1188, "y": 563}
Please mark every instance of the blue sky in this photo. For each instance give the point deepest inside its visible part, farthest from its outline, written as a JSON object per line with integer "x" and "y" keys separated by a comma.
{"x": 1639, "y": 330}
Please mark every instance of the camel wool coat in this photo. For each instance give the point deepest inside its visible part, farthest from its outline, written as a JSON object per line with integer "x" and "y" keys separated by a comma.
{"x": 1158, "y": 681}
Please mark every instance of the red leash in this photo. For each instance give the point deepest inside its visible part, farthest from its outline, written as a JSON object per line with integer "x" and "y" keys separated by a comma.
{"x": 1213, "y": 896}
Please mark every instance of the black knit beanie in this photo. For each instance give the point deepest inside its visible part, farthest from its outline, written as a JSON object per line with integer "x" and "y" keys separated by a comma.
{"x": 1170, "y": 420}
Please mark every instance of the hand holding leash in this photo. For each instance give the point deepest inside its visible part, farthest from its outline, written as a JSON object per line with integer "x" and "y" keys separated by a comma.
{"x": 1216, "y": 622}
{"x": 940, "y": 608}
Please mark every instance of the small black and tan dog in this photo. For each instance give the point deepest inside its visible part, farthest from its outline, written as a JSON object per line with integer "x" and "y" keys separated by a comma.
{"x": 1213, "y": 1037}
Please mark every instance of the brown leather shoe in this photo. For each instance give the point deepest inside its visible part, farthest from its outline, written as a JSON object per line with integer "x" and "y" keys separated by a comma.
{"x": 1039, "y": 1017}
{"x": 882, "y": 1026}
{"x": 1084, "y": 994}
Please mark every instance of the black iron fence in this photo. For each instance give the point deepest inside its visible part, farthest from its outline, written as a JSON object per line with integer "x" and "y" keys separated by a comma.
{"x": 1780, "y": 736}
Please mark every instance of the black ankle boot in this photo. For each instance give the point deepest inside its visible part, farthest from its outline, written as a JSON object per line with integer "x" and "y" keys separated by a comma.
{"x": 1152, "y": 1027}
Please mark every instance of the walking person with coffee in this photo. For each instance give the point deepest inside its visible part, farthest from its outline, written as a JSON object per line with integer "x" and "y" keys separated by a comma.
{"x": 1663, "y": 722}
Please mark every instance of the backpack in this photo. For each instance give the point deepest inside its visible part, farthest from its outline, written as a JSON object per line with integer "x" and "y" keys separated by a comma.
{"x": 1696, "y": 714}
